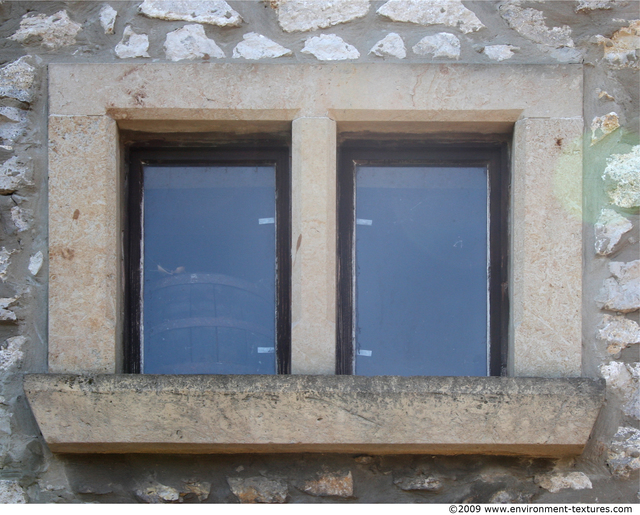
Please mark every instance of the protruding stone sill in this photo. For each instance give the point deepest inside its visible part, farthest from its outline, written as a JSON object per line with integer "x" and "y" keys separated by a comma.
{"x": 344, "y": 414}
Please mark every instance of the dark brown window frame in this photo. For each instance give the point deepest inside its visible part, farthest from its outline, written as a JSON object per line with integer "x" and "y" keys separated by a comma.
{"x": 494, "y": 155}
{"x": 260, "y": 153}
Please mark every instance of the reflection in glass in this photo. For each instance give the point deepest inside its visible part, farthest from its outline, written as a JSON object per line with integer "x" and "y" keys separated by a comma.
{"x": 209, "y": 270}
{"x": 421, "y": 271}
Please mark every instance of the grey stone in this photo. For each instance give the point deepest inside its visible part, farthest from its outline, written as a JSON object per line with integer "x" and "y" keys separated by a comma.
{"x": 201, "y": 490}
{"x": 190, "y": 42}
{"x": 391, "y": 45}
{"x": 305, "y": 15}
{"x": 624, "y": 452}
{"x": 329, "y": 47}
{"x": 11, "y": 492}
{"x": 253, "y": 490}
{"x": 17, "y": 80}
{"x": 602, "y": 126}
{"x": 51, "y": 32}
{"x": 132, "y": 44}
{"x": 622, "y": 291}
{"x": 451, "y": 13}
{"x": 592, "y": 5}
{"x": 212, "y": 12}
{"x": 609, "y": 229}
{"x": 499, "y": 52}
{"x": 7, "y": 315}
{"x": 257, "y": 46}
{"x": 622, "y": 179}
{"x": 157, "y": 493}
{"x": 11, "y": 354}
{"x": 624, "y": 379}
{"x": 13, "y": 114}
{"x": 35, "y": 263}
{"x": 108, "y": 19}
{"x": 421, "y": 482}
{"x": 530, "y": 24}
{"x": 336, "y": 484}
{"x": 618, "y": 332}
{"x": 554, "y": 482}
{"x": 13, "y": 176}
{"x": 443, "y": 45}
{"x": 622, "y": 49}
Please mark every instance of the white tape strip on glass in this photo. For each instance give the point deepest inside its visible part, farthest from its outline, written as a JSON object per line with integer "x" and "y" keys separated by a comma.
{"x": 363, "y": 221}
{"x": 263, "y": 221}
{"x": 365, "y": 353}
{"x": 266, "y": 350}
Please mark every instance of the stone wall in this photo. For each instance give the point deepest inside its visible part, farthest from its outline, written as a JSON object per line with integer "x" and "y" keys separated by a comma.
{"x": 602, "y": 34}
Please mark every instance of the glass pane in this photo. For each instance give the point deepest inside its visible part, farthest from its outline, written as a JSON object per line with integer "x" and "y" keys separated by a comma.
{"x": 209, "y": 270}
{"x": 421, "y": 271}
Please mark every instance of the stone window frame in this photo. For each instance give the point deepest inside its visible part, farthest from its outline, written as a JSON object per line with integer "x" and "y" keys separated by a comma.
{"x": 90, "y": 103}
{"x": 540, "y": 105}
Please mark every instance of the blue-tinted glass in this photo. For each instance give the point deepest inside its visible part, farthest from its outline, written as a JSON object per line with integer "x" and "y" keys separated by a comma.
{"x": 209, "y": 270}
{"x": 421, "y": 271}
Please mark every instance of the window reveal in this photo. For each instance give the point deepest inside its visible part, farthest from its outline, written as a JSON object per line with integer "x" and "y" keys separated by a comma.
{"x": 422, "y": 252}
{"x": 208, "y": 262}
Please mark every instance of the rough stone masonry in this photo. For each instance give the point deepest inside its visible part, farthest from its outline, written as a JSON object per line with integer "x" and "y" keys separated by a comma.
{"x": 604, "y": 35}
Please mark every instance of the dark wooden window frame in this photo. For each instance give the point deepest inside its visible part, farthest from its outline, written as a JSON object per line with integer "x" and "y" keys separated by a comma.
{"x": 494, "y": 155}
{"x": 253, "y": 155}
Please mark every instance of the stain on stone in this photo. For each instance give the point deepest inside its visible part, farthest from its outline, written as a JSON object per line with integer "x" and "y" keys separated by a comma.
{"x": 76, "y": 214}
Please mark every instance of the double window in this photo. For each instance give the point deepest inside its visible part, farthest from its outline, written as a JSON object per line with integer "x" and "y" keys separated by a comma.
{"x": 421, "y": 258}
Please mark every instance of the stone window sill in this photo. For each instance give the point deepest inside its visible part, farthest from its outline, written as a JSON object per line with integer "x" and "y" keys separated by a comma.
{"x": 297, "y": 413}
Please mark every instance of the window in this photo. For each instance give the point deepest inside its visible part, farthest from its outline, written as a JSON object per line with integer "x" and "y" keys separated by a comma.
{"x": 422, "y": 247}
{"x": 208, "y": 261}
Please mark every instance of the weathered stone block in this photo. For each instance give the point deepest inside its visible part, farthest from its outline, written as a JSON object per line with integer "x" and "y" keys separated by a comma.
{"x": 337, "y": 484}
{"x": 256, "y": 46}
{"x": 451, "y": 13}
{"x": 17, "y": 80}
{"x": 253, "y": 490}
{"x": 329, "y": 47}
{"x": 51, "y": 32}
{"x": 624, "y": 452}
{"x": 132, "y": 44}
{"x": 213, "y": 12}
{"x": 622, "y": 178}
{"x": 304, "y": 15}
{"x": 442, "y": 44}
{"x": 190, "y": 42}
{"x": 622, "y": 291}
{"x": 609, "y": 229}
{"x": 354, "y": 414}
{"x": 391, "y": 45}
{"x": 557, "y": 481}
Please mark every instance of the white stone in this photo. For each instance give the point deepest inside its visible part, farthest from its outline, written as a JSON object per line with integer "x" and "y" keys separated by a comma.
{"x": 555, "y": 482}
{"x": 622, "y": 291}
{"x": 622, "y": 178}
{"x": 257, "y": 46}
{"x": 35, "y": 263}
{"x": 624, "y": 452}
{"x": 132, "y": 44}
{"x": 451, "y": 13}
{"x": 212, "y": 12}
{"x": 592, "y": 5}
{"x": 11, "y": 353}
{"x": 602, "y": 126}
{"x": 5, "y": 256}
{"x": 17, "y": 80}
{"x": 11, "y": 492}
{"x": 108, "y": 18}
{"x": 304, "y": 15}
{"x": 13, "y": 176}
{"x": 337, "y": 484}
{"x": 21, "y": 218}
{"x": 609, "y": 228}
{"x": 622, "y": 50}
{"x": 618, "y": 332}
{"x": 51, "y": 32}
{"x": 391, "y": 45}
{"x": 624, "y": 380}
{"x": 442, "y": 44}
{"x": 190, "y": 42}
{"x": 530, "y": 24}
{"x": 6, "y": 314}
{"x": 329, "y": 47}
{"x": 499, "y": 52}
